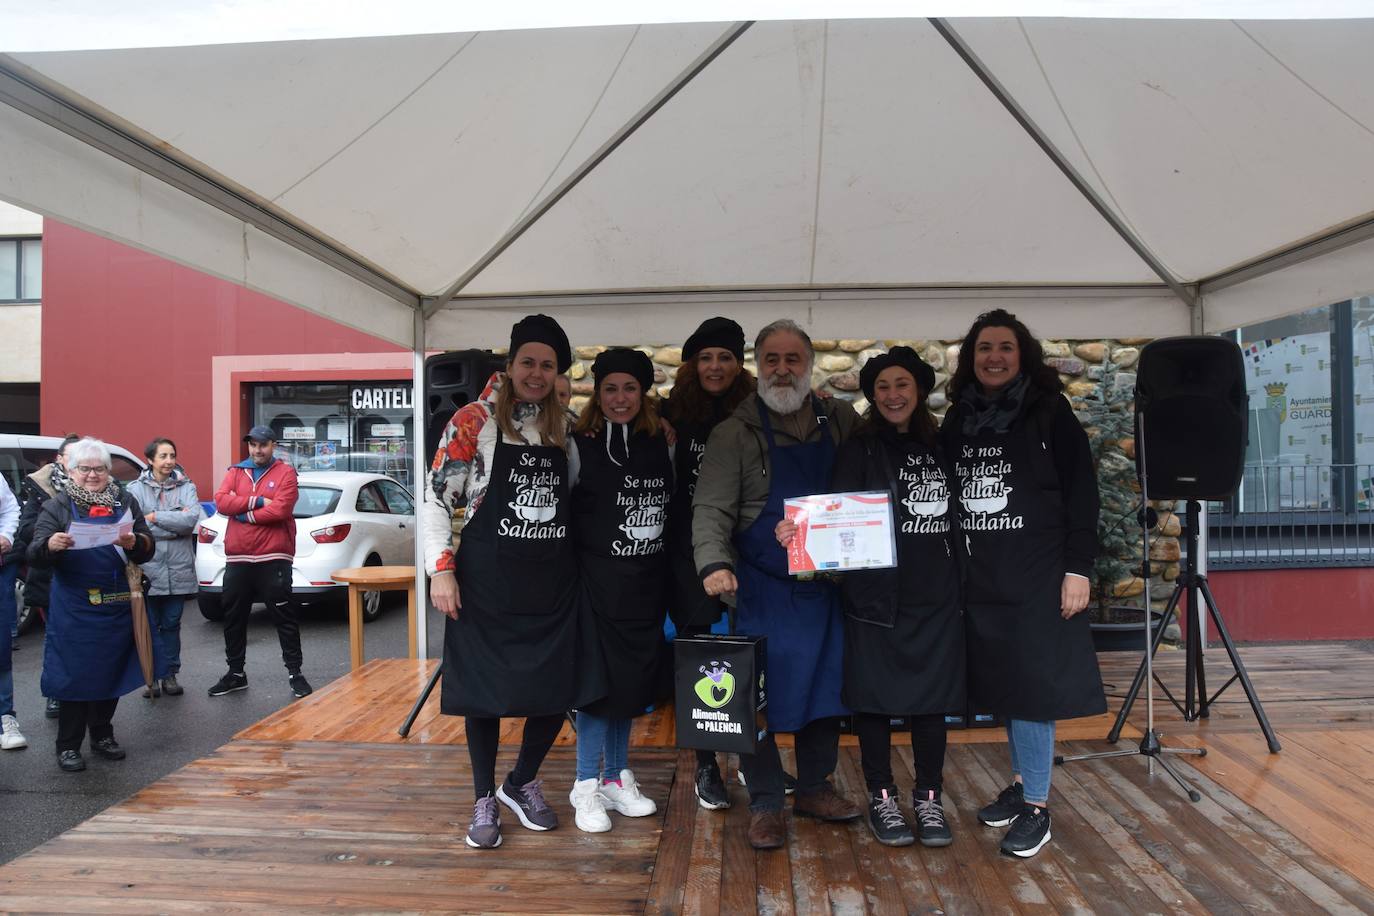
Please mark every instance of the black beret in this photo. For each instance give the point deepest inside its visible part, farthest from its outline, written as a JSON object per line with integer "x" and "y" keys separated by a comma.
{"x": 906, "y": 358}
{"x": 623, "y": 359}
{"x": 716, "y": 332}
{"x": 541, "y": 329}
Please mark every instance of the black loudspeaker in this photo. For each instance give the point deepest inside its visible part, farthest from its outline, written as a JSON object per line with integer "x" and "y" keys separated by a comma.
{"x": 1191, "y": 399}
{"x": 451, "y": 380}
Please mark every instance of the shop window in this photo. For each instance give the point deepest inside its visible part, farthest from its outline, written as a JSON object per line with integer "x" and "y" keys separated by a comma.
{"x": 1362, "y": 331}
{"x": 1288, "y": 457}
{"x": 340, "y": 426}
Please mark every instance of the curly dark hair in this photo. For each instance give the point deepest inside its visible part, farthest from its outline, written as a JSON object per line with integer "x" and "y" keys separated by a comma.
{"x": 1032, "y": 355}
{"x": 689, "y": 401}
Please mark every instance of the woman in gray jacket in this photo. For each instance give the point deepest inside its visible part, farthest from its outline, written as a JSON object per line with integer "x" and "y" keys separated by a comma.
{"x": 172, "y": 510}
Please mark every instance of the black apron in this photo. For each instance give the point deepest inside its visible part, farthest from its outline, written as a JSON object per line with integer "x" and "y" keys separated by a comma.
{"x": 522, "y": 644}
{"x": 1025, "y": 660}
{"x": 619, "y": 511}
{"x": 89, "y": 651}
{"x": 688, "y": 603}
{"x": 911, "y": 662}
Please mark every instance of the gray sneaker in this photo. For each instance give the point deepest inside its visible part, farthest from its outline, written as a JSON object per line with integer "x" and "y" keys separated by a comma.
{"x": 485, "y": 830}
{"x": 528, "y": 803}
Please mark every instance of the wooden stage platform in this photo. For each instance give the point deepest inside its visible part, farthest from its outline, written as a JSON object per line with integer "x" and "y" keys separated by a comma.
{"x": 322, "y": 807}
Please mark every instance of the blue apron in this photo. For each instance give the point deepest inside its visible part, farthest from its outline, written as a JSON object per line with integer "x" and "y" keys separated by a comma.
{"x": 89, "y": 653}
{"x": 801, "y": 619}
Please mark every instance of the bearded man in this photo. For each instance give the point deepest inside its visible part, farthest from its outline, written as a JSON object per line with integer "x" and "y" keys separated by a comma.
{"x": 779, "y": 443}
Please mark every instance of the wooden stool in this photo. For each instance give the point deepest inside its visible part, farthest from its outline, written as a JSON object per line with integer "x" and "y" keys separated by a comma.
{"x": 374, "y": 579}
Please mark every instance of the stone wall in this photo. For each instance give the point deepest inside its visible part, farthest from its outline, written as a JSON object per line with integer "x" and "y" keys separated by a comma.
{"x": 1082, "y": 366}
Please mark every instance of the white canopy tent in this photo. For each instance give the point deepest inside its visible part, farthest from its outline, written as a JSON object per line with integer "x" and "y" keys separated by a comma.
{"x": 878, "y": 177}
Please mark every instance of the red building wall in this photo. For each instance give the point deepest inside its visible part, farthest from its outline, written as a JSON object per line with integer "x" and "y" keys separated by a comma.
{"x": 128, "y": 338}
{"x": 1283, "y": 605}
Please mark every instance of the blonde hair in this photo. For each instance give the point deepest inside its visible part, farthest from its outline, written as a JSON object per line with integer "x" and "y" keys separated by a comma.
{"x": 593, "y": 418}
{"x": 553, "y": 418}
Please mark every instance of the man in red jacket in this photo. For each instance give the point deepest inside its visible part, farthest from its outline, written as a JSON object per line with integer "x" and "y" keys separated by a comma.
{"x": 258, "y": 496}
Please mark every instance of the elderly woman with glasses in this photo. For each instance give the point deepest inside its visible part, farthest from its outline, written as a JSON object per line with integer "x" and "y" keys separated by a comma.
{"x": 89, "y": 657}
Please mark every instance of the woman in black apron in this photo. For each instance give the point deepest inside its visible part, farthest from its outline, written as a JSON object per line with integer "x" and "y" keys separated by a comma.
{"x": 903, "y": 627}
{"x": 708, "y": 387}
{"x": 619, "y": 504}
{"x": 1028, "y": 509}
{"x": 517, "y": 641}
{"x": 89, "y": 656}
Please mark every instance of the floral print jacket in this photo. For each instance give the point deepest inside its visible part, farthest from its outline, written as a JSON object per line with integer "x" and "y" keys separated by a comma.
{"x": 462, "y": 467}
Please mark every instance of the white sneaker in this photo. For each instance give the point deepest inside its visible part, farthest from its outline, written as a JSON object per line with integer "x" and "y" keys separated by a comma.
{"x": 589, "y": 807}
{"x": 625, "y": 797}
{"x": 11, "y": 738}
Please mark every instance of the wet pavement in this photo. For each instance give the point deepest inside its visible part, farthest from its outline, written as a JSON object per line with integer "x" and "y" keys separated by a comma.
{"x": 38, "y": 801}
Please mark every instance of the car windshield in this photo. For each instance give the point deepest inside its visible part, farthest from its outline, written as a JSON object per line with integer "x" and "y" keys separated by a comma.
{"x": 314, "y": 501}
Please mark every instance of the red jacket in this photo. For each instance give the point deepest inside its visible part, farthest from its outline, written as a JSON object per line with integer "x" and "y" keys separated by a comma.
{"x": 258, "y": 530}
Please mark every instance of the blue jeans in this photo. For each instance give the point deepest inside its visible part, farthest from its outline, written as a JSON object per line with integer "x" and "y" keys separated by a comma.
{"x": 1032, "y": 756}
{"x": 9, "y": 616}
{"x": 598, "y": 738}
{"x": 164, "y": 614}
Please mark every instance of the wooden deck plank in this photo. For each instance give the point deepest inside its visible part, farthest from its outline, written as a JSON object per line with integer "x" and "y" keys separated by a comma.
{"x": 323, "y": 803}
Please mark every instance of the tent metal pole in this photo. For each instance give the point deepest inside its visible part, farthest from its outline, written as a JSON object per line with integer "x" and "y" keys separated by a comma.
{"x": 535, "y": 213}
{"x": 1325, "y": 243}
{"x": 419, "y": 416}
{"x": 1187, "y": 293}
{"x": 53, "y": 105}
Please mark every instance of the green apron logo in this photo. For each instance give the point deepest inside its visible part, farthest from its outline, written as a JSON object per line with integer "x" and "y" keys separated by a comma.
{"x": 717, "y": 687}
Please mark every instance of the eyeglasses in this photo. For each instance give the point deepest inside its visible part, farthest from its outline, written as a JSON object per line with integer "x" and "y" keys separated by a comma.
{"x": 87, "y": 471}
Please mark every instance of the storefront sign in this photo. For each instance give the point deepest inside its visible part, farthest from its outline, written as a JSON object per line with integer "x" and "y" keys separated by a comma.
{"x": 388, "y": 429}
{"x": 297, "y": 432}
{"x": 388, "y": 398}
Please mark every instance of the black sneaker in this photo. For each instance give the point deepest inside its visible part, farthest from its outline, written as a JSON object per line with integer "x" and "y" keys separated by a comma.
{"x": 887, "y": 821}
{"x": 931, "y": 826}
{"x": 1008, "y": 805}
{"x": 70, "y": 761}
{"x": 299, "y": 685}
{"x": 711, "y": 793}
{"x": 53, "y": 708}
{"x": 485, "y": 830}
{"x": 1029, "y": 832}
{"x": 229, "y": 683}
{"x": 108, "y": 748}
{"x": 528, "y": 803}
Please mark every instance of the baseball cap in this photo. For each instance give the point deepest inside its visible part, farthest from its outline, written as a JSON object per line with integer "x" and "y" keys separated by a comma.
{"x": 260, "y": 434}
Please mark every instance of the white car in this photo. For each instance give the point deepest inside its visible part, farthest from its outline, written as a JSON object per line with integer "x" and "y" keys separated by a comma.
{"x": 343, "y": 519}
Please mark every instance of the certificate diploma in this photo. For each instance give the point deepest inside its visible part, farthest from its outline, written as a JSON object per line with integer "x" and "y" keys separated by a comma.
{"x": 839, "y": 531}
{"x": 86, "y": 535}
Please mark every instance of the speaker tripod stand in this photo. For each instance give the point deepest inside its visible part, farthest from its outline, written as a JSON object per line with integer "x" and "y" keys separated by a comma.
{"x": 1151, "y": 748}
{"x": 1193, "y": 583}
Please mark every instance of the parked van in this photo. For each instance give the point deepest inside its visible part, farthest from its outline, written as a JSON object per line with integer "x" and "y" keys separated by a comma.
{"x": 20, "y": 456}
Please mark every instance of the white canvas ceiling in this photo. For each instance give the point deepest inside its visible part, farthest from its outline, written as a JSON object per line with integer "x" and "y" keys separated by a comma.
{"x": 858, "y": 175}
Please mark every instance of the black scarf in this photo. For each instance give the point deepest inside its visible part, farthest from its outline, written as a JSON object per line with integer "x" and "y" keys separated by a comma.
{"x": 996, "y": 412}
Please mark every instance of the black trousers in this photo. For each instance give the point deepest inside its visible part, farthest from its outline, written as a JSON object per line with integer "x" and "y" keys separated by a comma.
{"x": 269, "y": 583}
{"x": 76, "y": 716}
{"x": 483, "y": 737}
{"x": 817, "y": 747}
{"x": 927, "y": 746}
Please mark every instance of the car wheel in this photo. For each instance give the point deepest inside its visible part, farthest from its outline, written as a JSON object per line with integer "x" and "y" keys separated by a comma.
{"x": 210, "y": 606}
{"x": 27, "y": 616}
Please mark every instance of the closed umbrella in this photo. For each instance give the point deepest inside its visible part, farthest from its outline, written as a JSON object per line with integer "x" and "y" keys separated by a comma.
{"x": 143, "y": 635}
